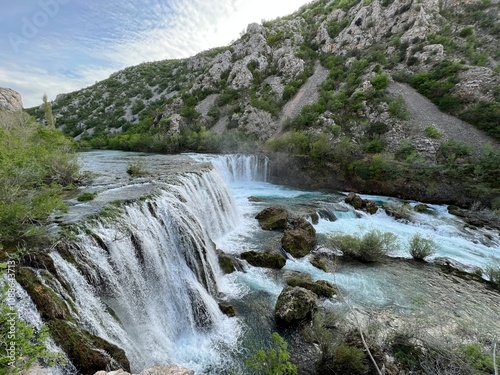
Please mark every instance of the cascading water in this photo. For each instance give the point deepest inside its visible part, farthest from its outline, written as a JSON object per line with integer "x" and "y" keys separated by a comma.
{"x": 238, "y": 167}
{"x": 150, "y": 275}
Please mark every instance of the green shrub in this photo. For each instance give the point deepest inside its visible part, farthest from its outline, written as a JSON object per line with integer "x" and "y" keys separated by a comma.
{"x": 421, "y": 248}
{"x": 452, "y": 150}
{"x": 380, "y": 81}
{"x": 35, "y": 164}
{"x": 275, "y": 361}
{"x": 398, "y": 108}
{"x": 493, "y": 273}
{"x": 466, "y": 31}
{"x": 349, "y": 360}
{"x": 86, "y": 197}
{"x": 369, "y": 248}
{"x": 136, "y": 168}
{"x": 29, "y": 345}
{"x": 474, "y": 356}
{"x": 433, "y": 132}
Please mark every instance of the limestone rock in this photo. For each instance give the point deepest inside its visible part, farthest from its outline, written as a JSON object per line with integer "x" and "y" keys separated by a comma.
{"x": 156, "y": 370}
{"x": 227, "y": 309}
{"x": 294, "y": 304}
{"x": 321, "y": 288}
{"x": 228, "y": 263}
{"x": 358, "y": 203}
{"x": 10, "y": 100}
{"x": 266, "y": 260}
{"x": 300, "y": 240}
{"x": 257, "y": 122}
{"x": 273, "y": 218}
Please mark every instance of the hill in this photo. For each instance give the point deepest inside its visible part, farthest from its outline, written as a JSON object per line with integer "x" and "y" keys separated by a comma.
{"x": 334, "y": 84}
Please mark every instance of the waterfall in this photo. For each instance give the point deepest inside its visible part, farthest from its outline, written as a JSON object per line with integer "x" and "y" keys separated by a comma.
{"x": 237, "y": 167}
{"x": 145, "y": 278}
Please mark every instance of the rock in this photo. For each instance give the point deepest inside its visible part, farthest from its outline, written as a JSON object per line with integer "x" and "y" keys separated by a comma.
{"x": 254, "y": 199}
{"x": 319, "y": 263}
{"x": 358, "y": 203}
{"x": 227, "y": 309}
{"x": 294, "y": 304}
{"x": 300, "y": 240}
{"x": 454, "y": 210}
{"x": 321, "y": 288}
{"x": 266, "y": 260}
{"x": 228, "y": 263}
{"x": 156, "y": 370}
{"x": 354, "y": 200}
{"x": 10, "y": 100}
{"x": 273, "y": 218}
{"x": 370, "y": 206}
{"x": 420, "y": 207}
{"x": 87, "y": 352}
{"x": 167, "y": 370}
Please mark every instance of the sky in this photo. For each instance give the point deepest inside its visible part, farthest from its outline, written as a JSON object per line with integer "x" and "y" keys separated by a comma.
{"x": 59, "y": 46}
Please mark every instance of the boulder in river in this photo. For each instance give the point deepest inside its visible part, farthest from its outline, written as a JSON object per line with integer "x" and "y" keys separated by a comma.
{"x": 267, "y": 260}
{"x": 300, "y": 240}
{"x": 273, "y": 218}
{"x": 294, "y": 304}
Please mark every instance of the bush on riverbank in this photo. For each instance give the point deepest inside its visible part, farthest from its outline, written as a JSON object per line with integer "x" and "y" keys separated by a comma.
{"x": 371, "y": 247}
{"x": 36, "y": 164}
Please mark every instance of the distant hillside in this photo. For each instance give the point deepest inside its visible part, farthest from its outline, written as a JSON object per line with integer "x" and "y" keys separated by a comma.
{"x": 319, "y": 83}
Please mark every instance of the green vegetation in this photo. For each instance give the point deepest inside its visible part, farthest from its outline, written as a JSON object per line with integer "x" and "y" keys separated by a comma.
{"x": 421, "y": 247}
{"x": 275, "y": 361}
{"x": 85, "y": 197}
{"x": 433, "y": 132}
{"x": 371, "y": 247}
{"x": 493, "y": 273}
{"x": 28, "y": 344}
{"x": 36, "y": 164}
{"x": 136, "y": 168}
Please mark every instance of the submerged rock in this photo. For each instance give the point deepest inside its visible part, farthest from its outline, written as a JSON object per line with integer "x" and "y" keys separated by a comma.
{"x": 228, "y": 263}
{"x": 267, "y": 260}
{"x": 273, "y": 218}
{"x": 227, "y": 309}
{"x": 294, "y": 304}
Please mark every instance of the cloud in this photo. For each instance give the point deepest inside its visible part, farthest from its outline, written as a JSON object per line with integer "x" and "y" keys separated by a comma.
{"x": 91, "y": 39}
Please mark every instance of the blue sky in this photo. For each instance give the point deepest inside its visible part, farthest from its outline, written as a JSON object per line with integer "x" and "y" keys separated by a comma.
{"x": 57, "y": 46}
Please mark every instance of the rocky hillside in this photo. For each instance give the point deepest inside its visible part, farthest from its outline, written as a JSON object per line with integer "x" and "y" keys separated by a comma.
{"x": 10, "y": 100}
{"x": 338, "y": 80}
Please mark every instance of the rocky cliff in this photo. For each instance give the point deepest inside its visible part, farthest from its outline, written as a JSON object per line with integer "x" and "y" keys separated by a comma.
{"x": 370, "y": 90}
{"x": 10, "y": 100}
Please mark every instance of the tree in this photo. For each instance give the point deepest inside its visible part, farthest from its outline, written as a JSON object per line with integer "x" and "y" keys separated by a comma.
{"x": 47, "y": 109}
{"x": 274, "y": 361}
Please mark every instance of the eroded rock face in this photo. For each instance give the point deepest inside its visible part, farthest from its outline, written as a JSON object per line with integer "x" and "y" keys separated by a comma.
{"x": 294, "y": 304}
{"x": 10, "y": 100}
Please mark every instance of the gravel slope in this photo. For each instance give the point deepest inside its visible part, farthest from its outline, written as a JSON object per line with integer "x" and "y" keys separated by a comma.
{"x": 424, "y": 113}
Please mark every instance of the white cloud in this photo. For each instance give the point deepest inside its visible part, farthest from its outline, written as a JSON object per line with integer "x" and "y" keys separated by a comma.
{"x": 105, "y": 39}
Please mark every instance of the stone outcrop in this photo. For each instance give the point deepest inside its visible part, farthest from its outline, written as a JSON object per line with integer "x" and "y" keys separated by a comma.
{"x": 228, "y": 263}
{"x": 267, "y": 260}
{"x": 273, "y": 218}
{"x": 294, "y": 304}
{"x": 10, "y": 100}
{"x": 157, "y": 370}
{"x": 361, "y": 204}
{"x": 300, "y": 240}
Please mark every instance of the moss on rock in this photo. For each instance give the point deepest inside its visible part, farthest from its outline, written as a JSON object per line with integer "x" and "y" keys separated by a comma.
{"x": 267, "y": 260}
{"x": 273, "y": 218}
{"x": 87, "y": 352}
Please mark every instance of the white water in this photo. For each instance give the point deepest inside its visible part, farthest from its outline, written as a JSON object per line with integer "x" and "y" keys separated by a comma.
{"x": 156, "y": 269}
{"x": 364, "y": 284}
{"x": 151, "y": 273}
